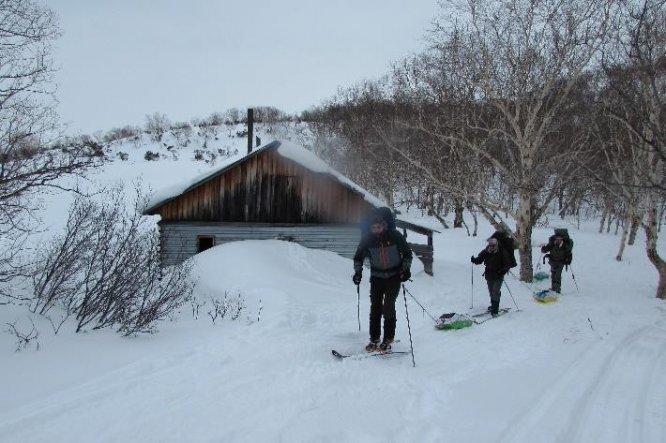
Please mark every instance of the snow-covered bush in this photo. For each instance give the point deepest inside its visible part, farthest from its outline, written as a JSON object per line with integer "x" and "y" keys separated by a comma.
{"x": 150, "y": 155}
{"x": 221, "y": 307}
{"x": 104, "y": 270}
{"x": 126, "y": 132}
{"x": 156, "y": 125}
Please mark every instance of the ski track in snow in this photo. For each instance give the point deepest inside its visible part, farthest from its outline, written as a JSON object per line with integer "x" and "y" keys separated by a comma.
{"x": 612, "y": 393}
{"x": 589, "y": 368}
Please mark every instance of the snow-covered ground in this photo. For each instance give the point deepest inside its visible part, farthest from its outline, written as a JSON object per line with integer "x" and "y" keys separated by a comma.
{"x": 588, "y": 368}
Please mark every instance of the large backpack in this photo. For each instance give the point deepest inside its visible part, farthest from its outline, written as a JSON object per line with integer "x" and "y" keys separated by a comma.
{"x": 384, "y": 213}
{"x": 564, "y": 233}
{"x": 507, "y": 244}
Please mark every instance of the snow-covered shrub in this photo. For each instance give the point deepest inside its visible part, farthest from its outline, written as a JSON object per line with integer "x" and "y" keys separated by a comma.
{"x": 125, "y": 132}
{"x": 104, "y": 270}
{"x": 156, "y": 125}
{"x": 24, "y": 337}
{"x": 205, "y": 155}
{"x": 150, "y": 156}
{"x": 221, "y": 307}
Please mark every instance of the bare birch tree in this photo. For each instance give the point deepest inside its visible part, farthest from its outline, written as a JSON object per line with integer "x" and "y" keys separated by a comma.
{"x": 524, "y": 61}
{"x": 635, "y": 63}
{"x": 27, "y": 123}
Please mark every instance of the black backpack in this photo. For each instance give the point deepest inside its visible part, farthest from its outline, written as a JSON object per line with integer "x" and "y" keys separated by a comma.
{"x": 507, "y": 244}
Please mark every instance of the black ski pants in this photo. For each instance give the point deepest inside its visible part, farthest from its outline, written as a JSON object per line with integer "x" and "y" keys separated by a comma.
{"x": 495, "y": 291}
{"x": 383, "y": 294}
{"x": 556, "y": 275}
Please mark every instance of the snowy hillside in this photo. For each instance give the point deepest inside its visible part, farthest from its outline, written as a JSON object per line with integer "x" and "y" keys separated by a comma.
{"x": 134, "y": 157}
{"x": 588, "y": 368}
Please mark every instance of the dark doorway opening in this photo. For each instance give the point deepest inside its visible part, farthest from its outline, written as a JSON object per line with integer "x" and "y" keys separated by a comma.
{"x": 205, "y": 242}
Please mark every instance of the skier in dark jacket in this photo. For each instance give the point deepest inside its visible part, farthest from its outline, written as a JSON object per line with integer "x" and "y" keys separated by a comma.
{"x": 559, "y": 256}
{"x": 390, "y": 263}
{"x": 497, "y": 264}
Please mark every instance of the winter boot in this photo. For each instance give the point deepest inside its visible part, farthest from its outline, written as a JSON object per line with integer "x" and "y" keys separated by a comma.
{"x": 385, "y": 346}
{"x": 372, "y": 346}
{"x": 494, "y": 308}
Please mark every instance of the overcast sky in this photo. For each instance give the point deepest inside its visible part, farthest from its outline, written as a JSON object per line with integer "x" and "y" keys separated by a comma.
{"x": 122, "y": 59}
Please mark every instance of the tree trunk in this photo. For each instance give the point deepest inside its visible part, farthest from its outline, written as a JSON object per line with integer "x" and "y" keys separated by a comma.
{"x": 623, "y": 240}
{"x": 651, "y": 236}
{"x": 635, "y": 224}
{"x": 499, "y": 225}
{"x": 603, "y": 221}
{"x": 560, "y": 203}
{"x": 476, "y": 220}
{"x": 436, "y": 214}
{"x": 458, "y": 218}
{"x": 524, "y": 237}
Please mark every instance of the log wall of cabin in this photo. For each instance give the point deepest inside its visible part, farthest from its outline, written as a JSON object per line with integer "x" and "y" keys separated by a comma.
{"x": 179, "y": 240}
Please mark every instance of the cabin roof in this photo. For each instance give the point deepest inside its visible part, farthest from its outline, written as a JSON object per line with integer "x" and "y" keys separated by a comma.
{"x": 289, "y": 150}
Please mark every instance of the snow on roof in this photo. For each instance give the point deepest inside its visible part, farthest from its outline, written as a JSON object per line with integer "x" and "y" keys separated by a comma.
{"x": 310, "y": 161}
{"x": 164, "y": 195}
{"x": 286, "y": 149}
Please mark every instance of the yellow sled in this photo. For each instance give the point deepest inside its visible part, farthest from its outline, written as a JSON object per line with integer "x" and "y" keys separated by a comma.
{"x": 546, "y": 296}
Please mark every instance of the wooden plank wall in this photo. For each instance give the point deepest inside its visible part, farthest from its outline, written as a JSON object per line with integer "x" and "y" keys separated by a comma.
{"x": 179, "y": 240}
{"x": 268, "y": 188}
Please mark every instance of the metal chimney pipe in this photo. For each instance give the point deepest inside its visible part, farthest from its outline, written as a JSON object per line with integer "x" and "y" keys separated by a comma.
{"x": 250, "y": 129}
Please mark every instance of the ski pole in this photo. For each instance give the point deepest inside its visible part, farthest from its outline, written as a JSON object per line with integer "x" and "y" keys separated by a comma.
{"x": 417, "y": 302}
{"x": 529, "y": 288}
{"x": 358, "y": 306}
{"x": 472, "y": 294}
{"x": 574, "y": 278}
{"x": 514, "y": 300}
{"x": 411, "y": 345}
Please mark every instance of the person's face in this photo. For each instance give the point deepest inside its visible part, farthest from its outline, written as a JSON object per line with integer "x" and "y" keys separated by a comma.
{"x": 492, "y": 245}
{"x": 377, "y": 228}
{"x": 558, "y": 241}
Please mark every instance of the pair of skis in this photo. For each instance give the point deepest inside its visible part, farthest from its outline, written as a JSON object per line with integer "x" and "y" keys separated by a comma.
{"x": 483, "y": 317}
{"x": 478, "y": 319}
{"x": 367, "y": 354}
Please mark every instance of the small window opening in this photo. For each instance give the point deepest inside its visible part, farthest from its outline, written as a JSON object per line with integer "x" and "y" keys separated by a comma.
{"x": 205, "y": 242}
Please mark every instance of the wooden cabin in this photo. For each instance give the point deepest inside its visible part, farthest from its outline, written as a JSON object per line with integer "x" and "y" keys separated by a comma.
{"x": 278, "y": 191}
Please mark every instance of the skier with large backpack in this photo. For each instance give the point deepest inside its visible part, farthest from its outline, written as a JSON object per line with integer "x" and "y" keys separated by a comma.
{"x": 498, "y": 256}
{"x": 390, "y": 262}
{"x": 558, "y": 251}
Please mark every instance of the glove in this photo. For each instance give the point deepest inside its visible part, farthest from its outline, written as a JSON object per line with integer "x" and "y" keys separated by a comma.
{"x": 405, "y": 275}
{"x": 356, "y": 278}
{"x": 472, "y": 260}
